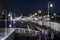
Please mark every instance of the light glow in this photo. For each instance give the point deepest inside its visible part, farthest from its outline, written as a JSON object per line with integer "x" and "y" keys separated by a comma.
{"x": 39, "y": 11}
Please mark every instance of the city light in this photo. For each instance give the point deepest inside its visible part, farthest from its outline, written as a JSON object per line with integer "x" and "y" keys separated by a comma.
{"x": 29, "y": 20}
{"x": 1, "y": 16}
{"x": 35, "y": 13}
{"x": 39, "y": 11}
{"x": 51, "y": 5}
{"x": 17, "y": 18}
{"x": 54, "y": 14}
{"x": 9, "y": 15}
{"x": 11, "y": 18}
{"x": 10, "y": 25}
{"x": 48, "y": 15}
{"x": 52, "y": 17}
{"x": 3, "y": 13}
{"x": 40, "y": 17}
{"x": 28, "y": 27}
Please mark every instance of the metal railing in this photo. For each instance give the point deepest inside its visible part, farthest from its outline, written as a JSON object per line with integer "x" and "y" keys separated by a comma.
{"x": 27, "y": 32}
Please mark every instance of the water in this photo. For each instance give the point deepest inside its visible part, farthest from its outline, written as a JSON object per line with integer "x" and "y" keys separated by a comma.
{"x": 24, "y": 37}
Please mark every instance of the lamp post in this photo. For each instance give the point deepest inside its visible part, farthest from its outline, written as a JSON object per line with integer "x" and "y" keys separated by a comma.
{"x": 39, "y": 12}
{"x": 35, "y": 14}
{"x": 49, "y": 6}
{"x": 55, "y": 16}
{"x": 5, "y": 11}
{"x": 10, "y": 17}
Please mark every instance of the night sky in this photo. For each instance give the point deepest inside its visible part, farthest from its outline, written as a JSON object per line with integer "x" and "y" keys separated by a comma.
{"x": 29, "y": 6}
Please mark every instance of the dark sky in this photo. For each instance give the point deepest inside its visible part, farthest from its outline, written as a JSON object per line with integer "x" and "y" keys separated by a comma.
{"x": 30, "y": 6}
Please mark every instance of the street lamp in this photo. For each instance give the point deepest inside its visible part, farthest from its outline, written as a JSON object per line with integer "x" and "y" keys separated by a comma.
{"x": 5, "y": 11}
{"x": 54, "y": 14}
{"x": 10, "y": 26}
{"x": 50, "y": 5}
{"x": 39, "y": 12}
{"x": 35, "y": 13}
{"x": 9, "y": 15}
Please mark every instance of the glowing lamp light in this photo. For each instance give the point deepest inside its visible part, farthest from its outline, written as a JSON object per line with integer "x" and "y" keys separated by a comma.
{"x": 9, "y": 15}
{"x": 54, "y": 14}
{"x": 11, "y": 18}
{"x": 10, "y": 25}
{"x": 48, "y": 15}
{"x": 35, "y": 13}
{"x": 39, "y": 11}
{"x": 51, "y": 5}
